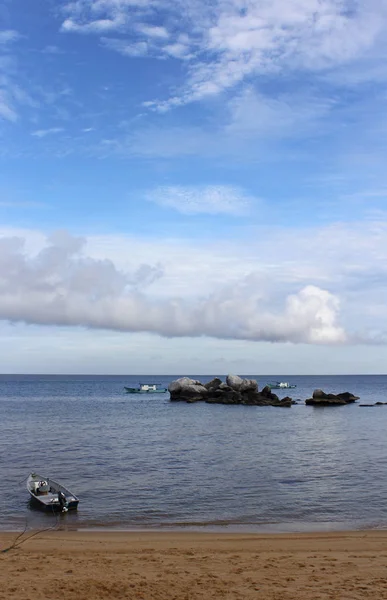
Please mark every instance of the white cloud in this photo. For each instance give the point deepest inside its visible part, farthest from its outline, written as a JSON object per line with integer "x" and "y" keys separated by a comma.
{"x": 253, "y": 114}
{"x": 61, "y": 285}
{"x": 7, "y": 110}
{"x": 98, "y": 26}
{"x": 41, "y": 133}
{"x": 8, "y": 35}
{"x": 227, "y": 41}
{"x": 302, "y": 284}
{"x": 125, "y": 48}
{"x": 153, "y": 31}
{"x": 220, "y": 199}
{"x": 13, "y": 94}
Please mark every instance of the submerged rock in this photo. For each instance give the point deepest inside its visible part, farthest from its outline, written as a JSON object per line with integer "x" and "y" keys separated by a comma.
{"x": 320, "y": 398}
{"x": 234, "y": 391}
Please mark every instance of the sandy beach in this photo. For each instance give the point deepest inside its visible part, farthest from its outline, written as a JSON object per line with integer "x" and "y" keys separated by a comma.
{"x": 188, "y": 566}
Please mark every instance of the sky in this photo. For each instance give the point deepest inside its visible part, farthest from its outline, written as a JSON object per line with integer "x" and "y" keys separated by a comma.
{"x": 193, "y": 188}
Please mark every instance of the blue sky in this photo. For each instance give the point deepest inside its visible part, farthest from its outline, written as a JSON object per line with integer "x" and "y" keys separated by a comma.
{"x": 193, "y": 188}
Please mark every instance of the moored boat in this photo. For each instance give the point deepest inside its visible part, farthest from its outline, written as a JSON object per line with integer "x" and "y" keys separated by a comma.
{"x": 281, "y": 385}
{"x": 50, "y": 495}
{"x": 146, "y": 388}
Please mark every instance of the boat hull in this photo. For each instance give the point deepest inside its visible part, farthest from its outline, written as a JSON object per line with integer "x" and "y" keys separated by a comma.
{"x": 137, "y": 391}
{"x": 49, "y": 500}
{"x": 282, "y": 387}
{"x": 54, "y": 507}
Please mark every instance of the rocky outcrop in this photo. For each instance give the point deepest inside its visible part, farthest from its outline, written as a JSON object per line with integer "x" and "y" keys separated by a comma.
{"x": 234, "y": 390}
{"x": 187, "y": 389}
{"x": 376, "y": 404}
{"x": 320, "y": 398}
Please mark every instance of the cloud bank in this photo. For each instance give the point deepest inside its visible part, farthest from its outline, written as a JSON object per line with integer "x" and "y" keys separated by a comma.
{"x": 62, "y": 285}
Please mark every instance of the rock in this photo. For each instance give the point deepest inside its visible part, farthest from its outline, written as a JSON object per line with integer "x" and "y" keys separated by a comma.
{"x": 225, "y": 395}
{"x": 325, "y": 402}
{"x": 234, "y": 391}
{"x": 187, "y": 389}
{"x": 320, "y": 398}
{"x": 249, "y": 385}
{"x": 267, "y": 393}
{"x": 234, "y": 382}
{"x": 225, "y": 387}
{"x": 319, "y": 394}
{"x": 348, "y": 396}
{"x": 176, "y": 385}
{"x": 213, "y": 384}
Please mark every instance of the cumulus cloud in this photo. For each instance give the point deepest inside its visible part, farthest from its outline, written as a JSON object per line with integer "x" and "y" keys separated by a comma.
{"x": 61, "y": 285}
{"x": 212, "y": 199}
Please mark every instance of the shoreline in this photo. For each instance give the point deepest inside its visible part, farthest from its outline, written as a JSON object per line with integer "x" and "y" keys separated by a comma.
{"x": 231, "y": 528}
{"x": 155, "y": 565}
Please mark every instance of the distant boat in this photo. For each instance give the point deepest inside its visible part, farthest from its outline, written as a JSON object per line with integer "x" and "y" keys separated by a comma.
{"x": 281, "y": 385}
{"x": 146, "y": 388}
{"x": 50, "y": 495}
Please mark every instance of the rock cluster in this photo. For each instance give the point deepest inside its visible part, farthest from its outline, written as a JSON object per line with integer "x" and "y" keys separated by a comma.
{"x": 234, "y": 391}
{"x": 320, "y": 398}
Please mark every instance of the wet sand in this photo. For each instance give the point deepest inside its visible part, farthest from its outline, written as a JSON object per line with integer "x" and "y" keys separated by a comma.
{"x": 73, "y": 565}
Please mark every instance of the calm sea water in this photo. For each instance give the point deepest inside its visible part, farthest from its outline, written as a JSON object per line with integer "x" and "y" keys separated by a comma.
{"x": 144, "y": 462}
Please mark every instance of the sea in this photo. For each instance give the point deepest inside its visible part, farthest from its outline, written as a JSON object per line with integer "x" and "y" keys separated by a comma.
{"x": 142, "y": 462}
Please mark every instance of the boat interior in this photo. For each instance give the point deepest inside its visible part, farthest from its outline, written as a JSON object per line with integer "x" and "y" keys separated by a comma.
{"x": 48, "y": 493}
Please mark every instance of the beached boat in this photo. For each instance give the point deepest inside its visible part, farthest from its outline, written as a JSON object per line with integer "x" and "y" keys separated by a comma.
{"x": 281, "y": 385}
{"x": 50, "y": 494}
{"x": 146, "y": 388}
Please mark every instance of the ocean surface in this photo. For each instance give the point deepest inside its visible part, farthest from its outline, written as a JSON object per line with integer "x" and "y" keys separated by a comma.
{"x": 143, "y": 462}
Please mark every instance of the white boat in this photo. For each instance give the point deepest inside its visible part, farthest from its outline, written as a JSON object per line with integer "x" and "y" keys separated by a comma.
{"x": 281, "y": 385}
{"x": 146, "y": 388}
{"x": 50, "y": 494}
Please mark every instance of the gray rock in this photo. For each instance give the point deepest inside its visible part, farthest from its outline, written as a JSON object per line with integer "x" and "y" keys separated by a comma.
{"x": 320, "y": 398}
{"x": 346, "y": 396}
{"x": 224, "y": 396}
{"x": 188, "y": 390}
{"x": 224, "y": 386}
{"x": 178, "y": 384}
{"x": 235, "y": 382}
{"x": 213, "y": 384}
{"x": 249, "y": 385}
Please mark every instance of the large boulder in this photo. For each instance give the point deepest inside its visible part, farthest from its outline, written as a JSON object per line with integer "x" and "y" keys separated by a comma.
{"x": 249, "y": 385}
{"x": 320, "y": 398}
{"x": 178, "y": 384}
{"x": 188, "y": 390}
{"x": 234, "y": 382}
